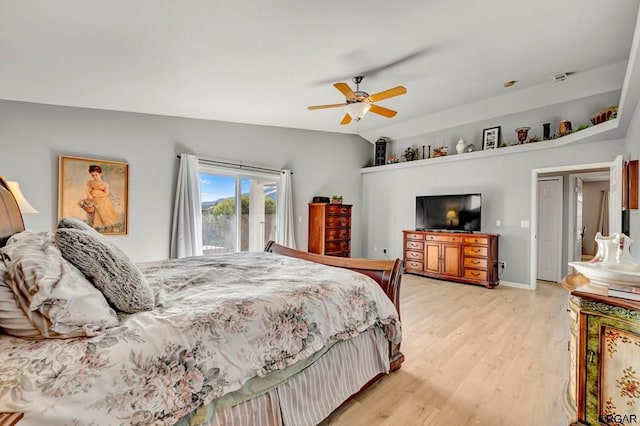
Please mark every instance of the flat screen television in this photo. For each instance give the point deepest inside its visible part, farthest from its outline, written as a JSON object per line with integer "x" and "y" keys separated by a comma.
{"x": 460, "y": 212}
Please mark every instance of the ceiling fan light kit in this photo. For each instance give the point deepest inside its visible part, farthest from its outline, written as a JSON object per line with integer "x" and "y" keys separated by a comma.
{"x": 357, "y": 110}
{"x": 358, "y": 103}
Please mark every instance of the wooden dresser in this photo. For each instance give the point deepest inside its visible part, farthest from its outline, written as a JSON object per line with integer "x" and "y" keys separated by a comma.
{"x": 461, "y": 257}
{"x": 604, "y": 353}
{"x": 330, "y": 229}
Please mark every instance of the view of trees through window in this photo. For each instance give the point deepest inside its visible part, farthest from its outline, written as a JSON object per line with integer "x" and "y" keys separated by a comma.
{"x": 257, "y": 215}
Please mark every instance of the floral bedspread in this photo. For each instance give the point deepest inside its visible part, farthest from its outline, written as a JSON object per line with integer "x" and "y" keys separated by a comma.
{"x": 221, "y": 320}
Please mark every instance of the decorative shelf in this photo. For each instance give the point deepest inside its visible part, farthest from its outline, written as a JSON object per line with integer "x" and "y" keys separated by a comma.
{"x": 603, "y": 131}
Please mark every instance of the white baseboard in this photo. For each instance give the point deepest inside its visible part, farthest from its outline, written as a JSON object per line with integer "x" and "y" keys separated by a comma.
{"x": 515, "y": 285}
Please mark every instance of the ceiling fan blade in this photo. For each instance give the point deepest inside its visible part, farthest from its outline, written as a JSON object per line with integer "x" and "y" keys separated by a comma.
{"x": 345, "y": 90}
{"x": 383, "y": 111}
{"x": 390, "y": 93}
{"x": 346, "y": 119}
{"x": 326, "y": 106}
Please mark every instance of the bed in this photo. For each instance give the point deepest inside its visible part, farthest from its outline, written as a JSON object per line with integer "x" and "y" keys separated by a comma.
{"x": 280, "y": 337}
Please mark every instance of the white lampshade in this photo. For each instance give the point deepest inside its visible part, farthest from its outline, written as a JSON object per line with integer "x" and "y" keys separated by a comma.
{"x": 23, "y": 204}
{"x": 357, "y": 110}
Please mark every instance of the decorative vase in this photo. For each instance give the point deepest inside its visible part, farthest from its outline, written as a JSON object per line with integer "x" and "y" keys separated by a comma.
{"x": 522, "y": 134}
{"x": 613, "y": 250}
{"x": 546, "y": 131}
{"x": 565, "y": 128}
{"x": 460, "y": 146}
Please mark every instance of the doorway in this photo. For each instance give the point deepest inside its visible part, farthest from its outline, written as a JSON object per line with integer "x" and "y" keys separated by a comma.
{"x": 588, "y": 213}
{"x": 614, "y": 169}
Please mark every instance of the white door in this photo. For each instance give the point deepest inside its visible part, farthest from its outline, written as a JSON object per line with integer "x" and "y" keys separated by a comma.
{"x": 579, "y": 231}
{"x": 549, "y": 228}
{"x": 615, "y": 196}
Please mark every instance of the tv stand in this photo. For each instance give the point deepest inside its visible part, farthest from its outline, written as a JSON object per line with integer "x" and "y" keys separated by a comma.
{"x": 459, "y": 256}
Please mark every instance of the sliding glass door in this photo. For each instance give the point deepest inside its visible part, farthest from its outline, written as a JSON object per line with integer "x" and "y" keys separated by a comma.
{"x": 238, "y": 210}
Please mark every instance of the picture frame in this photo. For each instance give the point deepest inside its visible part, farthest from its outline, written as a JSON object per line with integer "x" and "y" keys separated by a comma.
{"x": 491, "y": 137}
{"x": 95, "y": 191}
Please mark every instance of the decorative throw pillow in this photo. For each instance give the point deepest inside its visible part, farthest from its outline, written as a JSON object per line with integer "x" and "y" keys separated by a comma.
{"x": 57, "y": 299}
{"x": 111, "y": 271}
{"x": 73, "y": 223}
{"x": 13, "y": 320}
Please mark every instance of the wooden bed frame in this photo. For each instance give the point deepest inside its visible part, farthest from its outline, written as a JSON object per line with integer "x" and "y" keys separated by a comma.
{"x": 387, "y": 273}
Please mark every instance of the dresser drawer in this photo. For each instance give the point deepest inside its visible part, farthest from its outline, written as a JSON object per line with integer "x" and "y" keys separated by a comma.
{"x": 414, "y": 255}
{"x": 415, "y": 237}
{"x": 333, "y": 246}
{"x": 338, "y": 234}
{"x": 412, "y": 265}
{"x": 476, "y": 240}
{"x": 338, "y": 209}
{"x": 475, "y": 274}
{"x": 414, "y": 245}
{"x": 444, "y": 238}
{"x": 475, "y": 262}
{"x": 475, "y": 251}
{"x": 337, "y": 221}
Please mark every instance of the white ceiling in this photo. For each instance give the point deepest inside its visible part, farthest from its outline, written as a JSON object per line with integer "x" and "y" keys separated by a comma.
{"x": 264, "y": 62}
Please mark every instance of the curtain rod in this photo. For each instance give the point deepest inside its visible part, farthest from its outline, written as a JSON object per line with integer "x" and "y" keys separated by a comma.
{"x": 236, "y": 165}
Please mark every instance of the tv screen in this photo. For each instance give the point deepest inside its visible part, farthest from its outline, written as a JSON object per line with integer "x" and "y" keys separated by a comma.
{"x": 459, "y": 212}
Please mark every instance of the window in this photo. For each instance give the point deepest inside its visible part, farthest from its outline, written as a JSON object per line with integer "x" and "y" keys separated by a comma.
{"x": 238, "y": 209}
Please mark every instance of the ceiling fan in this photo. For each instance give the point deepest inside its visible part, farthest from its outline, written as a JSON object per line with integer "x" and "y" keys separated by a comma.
{"x": 357, "y": 103}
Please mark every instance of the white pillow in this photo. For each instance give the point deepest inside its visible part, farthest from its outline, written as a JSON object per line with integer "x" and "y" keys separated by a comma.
{"x": 46, "y": 285}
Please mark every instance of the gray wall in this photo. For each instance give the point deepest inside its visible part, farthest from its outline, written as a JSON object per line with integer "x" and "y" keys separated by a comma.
{"x": 32, "y": 136}
{"x": 504, "y": 181}
{"x": 578, "y": 112}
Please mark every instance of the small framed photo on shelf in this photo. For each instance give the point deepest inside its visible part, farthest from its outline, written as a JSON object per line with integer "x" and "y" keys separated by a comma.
{"x": 491, "y": 137}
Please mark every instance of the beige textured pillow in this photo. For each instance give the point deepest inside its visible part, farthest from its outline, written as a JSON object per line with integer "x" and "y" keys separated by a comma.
{"x": 55, "y": 296}
{"x": 110, "y": 270}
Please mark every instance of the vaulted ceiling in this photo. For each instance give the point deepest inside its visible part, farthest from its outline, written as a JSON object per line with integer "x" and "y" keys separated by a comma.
{"x": 264, "y": 62}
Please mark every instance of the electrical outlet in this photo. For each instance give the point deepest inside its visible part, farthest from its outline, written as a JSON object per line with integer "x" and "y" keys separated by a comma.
{"x": 503, "y": 264}
{"x": 384, "y": 250}
{"x": 375, "y": 248}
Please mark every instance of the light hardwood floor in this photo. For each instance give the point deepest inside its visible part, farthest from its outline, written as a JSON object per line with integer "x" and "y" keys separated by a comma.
{"x": 474, "y": 356}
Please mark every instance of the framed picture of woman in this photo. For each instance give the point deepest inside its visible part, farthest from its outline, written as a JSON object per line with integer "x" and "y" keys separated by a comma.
{"x": 94, "y": 191}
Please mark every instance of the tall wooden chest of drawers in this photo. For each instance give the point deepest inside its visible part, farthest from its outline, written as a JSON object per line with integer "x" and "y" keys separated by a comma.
{"x": 462, "y": 257}
{"x": 330, "y": 229}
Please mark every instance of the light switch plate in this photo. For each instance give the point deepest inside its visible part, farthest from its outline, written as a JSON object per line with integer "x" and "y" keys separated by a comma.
{"x": 524, "y": 224}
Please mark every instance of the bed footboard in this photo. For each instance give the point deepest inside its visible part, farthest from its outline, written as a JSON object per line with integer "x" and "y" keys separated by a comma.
{"x": 387, "y": 273}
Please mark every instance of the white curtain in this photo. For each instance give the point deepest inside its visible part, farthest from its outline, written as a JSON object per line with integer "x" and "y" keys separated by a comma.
{"x": 284, "y": 211}
{"x": 186, "y": 234}
{"x": 603, "y": 217}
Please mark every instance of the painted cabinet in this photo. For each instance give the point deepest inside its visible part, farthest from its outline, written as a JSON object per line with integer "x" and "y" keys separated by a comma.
{"x": 604, "y": 382}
